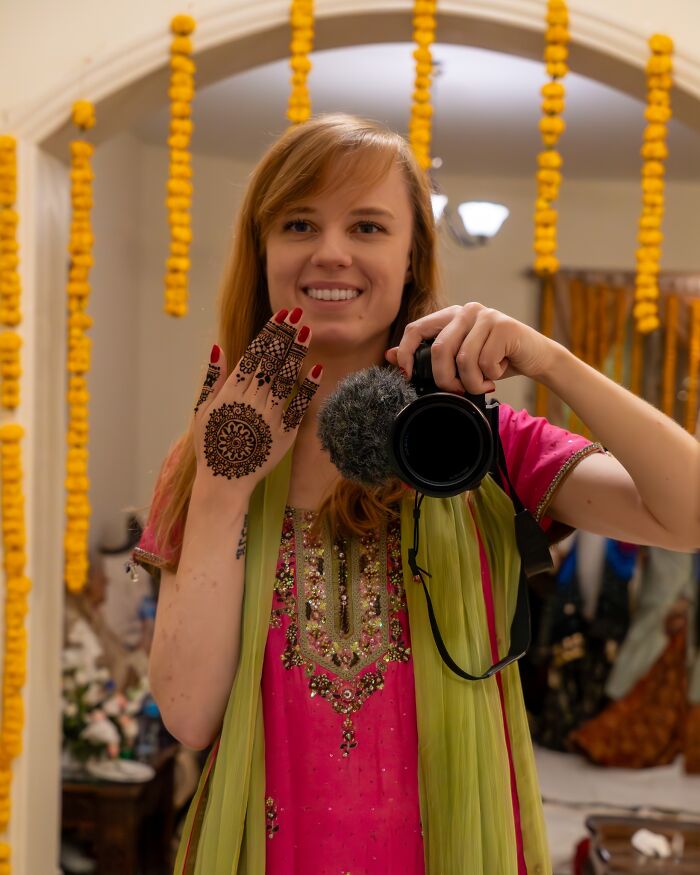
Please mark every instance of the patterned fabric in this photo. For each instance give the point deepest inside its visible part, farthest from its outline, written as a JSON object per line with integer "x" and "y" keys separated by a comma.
{"x": 348, "y": 800}
{"x": 339, "y": 708}
{"x": 647, "y": 727}
{"x": 581, "y": 651}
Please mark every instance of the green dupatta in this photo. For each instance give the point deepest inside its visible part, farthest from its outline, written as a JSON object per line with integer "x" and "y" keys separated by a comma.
{"x": 464, "y": 778}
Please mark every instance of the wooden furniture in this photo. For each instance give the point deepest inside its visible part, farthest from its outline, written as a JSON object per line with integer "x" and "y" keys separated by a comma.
{"x": 612, "y": 854}
{"x": 130, "y": 826}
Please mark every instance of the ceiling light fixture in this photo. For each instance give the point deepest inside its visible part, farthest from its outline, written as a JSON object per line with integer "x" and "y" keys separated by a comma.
{"x": 480, "y": 220}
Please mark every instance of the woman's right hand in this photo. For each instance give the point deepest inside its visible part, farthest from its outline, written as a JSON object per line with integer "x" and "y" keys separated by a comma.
{"x": 243, "y": 427}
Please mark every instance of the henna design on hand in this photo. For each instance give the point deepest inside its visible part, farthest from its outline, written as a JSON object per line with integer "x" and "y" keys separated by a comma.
{"x": 240, "y": 550}
{"x": 289, "y": 372}
{"x": 212, "y": 376}
{"x": 275, "y": 354}
{"x": 296, "y": 410}
{"x": 274, "y": 340}
{"x": 237, "y": 441}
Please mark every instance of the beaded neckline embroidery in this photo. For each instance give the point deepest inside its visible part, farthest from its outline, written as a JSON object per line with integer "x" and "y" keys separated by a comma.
{"x": 343, "y": 628}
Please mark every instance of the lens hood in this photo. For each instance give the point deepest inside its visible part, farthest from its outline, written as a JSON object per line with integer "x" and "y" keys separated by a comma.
{"x": 441, "y": 444}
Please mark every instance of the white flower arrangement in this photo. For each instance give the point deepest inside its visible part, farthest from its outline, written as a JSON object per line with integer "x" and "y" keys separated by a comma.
{"x": 98, "y": 722}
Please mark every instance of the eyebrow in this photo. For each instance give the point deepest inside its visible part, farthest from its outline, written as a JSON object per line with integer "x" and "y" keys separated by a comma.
{"x": 360, "y": 211}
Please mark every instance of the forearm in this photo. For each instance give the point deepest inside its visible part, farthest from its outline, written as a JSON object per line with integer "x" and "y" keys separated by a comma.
{"x": 197, "y": 633}
{"x": 662, "y": 459}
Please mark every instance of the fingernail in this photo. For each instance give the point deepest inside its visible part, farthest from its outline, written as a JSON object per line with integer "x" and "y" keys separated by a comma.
{"x": 295, "y": 315}
{"x": 404, "y": 372}
{"x": 281, "y": 316}
{"x": 303, "y": 334}
{"x": 215, "y": 353}
{"x": 316, "y": 372}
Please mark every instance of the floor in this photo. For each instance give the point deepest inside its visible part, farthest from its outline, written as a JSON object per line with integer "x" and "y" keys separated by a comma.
{"x": 573, "y": 788}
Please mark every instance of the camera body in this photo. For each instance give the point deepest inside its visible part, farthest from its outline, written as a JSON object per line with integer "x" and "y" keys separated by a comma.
{"x": 441, "y": 444}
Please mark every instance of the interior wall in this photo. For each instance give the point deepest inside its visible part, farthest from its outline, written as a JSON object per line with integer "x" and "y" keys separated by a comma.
{"x": 148, "y": 367}
{"x": 114, "y": 375}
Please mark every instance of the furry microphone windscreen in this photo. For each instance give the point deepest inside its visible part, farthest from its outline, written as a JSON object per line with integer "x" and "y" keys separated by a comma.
{"x": 354, "y": 423}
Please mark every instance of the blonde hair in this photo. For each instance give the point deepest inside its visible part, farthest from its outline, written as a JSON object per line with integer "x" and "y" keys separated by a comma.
{"x": 293, "y": 168}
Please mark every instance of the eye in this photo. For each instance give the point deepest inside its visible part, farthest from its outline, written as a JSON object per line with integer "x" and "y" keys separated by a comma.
{"x": 372, "y": 226}
{"x": 290, "y": 226}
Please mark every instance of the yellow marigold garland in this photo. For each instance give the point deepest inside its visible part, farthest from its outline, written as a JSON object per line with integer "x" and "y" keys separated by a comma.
{"x": 420, "y": 123}
{"x": 668, "y": 398}
{"x": 179, "y": 186}
{"x": 552, "y": 126}
{"x": 17, "y": 588}
{"x": 654, "y": 152}
{"x": 75, "y": 540}
{"x": 17, "y": 585}
{"x": 10, "y": 282}
{"x": 301, "y": 20}
{"x": 693, "y": 366}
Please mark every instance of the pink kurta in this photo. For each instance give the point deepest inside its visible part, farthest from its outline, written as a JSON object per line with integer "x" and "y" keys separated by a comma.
{"x": 338, "y": 692}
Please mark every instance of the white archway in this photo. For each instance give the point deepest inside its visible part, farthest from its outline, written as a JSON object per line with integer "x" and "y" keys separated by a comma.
{"x": 235, "y": 37}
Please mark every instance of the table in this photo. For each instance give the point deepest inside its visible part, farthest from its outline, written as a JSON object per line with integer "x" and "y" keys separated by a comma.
{"x": 111, "y": 816}
{"x": 612, "y": 854}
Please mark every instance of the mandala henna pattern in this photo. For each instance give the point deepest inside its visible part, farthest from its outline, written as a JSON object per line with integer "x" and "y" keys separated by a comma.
{"x": 299, "y": 405}
{"x": 212, "y": 376}
{"x": 237, "y": 441}
{"x": 289, "y": 372}
{"x": 274, "y": 340}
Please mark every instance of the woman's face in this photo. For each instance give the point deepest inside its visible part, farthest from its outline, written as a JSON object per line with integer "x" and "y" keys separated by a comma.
{"x": 355, "y": 242}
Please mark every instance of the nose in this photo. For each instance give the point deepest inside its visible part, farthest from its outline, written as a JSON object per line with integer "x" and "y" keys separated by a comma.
{"x": 331, "y": 250}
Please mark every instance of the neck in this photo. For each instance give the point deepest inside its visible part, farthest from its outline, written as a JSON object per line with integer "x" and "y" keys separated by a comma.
{"x": 336, "y": 366}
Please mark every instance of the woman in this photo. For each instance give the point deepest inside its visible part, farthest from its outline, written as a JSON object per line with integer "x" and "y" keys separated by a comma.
{"x": 282, "y": 634}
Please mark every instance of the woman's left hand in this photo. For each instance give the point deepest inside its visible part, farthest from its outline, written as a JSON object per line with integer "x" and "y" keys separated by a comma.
{"x": 481, "y": 344}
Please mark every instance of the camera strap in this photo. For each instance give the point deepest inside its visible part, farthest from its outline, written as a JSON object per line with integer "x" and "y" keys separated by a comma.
{"x": 534, "y": 553}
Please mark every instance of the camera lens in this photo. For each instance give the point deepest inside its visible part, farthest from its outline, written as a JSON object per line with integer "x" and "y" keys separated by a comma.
{"x": 441, "y": 444}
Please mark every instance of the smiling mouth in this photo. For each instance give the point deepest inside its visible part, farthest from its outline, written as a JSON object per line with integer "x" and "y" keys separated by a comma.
{"x": 332, "y": 294}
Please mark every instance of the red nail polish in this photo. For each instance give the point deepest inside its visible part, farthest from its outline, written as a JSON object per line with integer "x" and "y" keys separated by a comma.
{"x": 295, "y": 315}
{"x": 303, "y": 334}
{"x": 316, "y": 372}
{"x": 404, "y": 372}
{"x": 215, "y": 353}
{"x": 281, "y": 316}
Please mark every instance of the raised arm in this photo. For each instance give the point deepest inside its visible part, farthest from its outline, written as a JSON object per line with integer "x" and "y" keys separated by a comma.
{"x": 646, "y": 492}
{"x": 242, "y": 430}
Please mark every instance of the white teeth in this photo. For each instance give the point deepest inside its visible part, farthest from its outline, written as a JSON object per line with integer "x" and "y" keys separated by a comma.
{"x": 332, "y": 294}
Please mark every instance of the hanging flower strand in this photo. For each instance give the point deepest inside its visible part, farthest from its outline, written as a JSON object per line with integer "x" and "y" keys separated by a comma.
{"x": 420, "y": 124}
{"x": 10, "y": 283}
{"x": 17, "y": 589}
{"x": 17, "y": 585}
{"x": 549, "y": 164}
{"x": 80, "y": 248}
{"x": 179, "y": 187}
{"x": 654, "y": 152}
{"x": 301, "y": 20}
{"x": 552, "y": 126}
